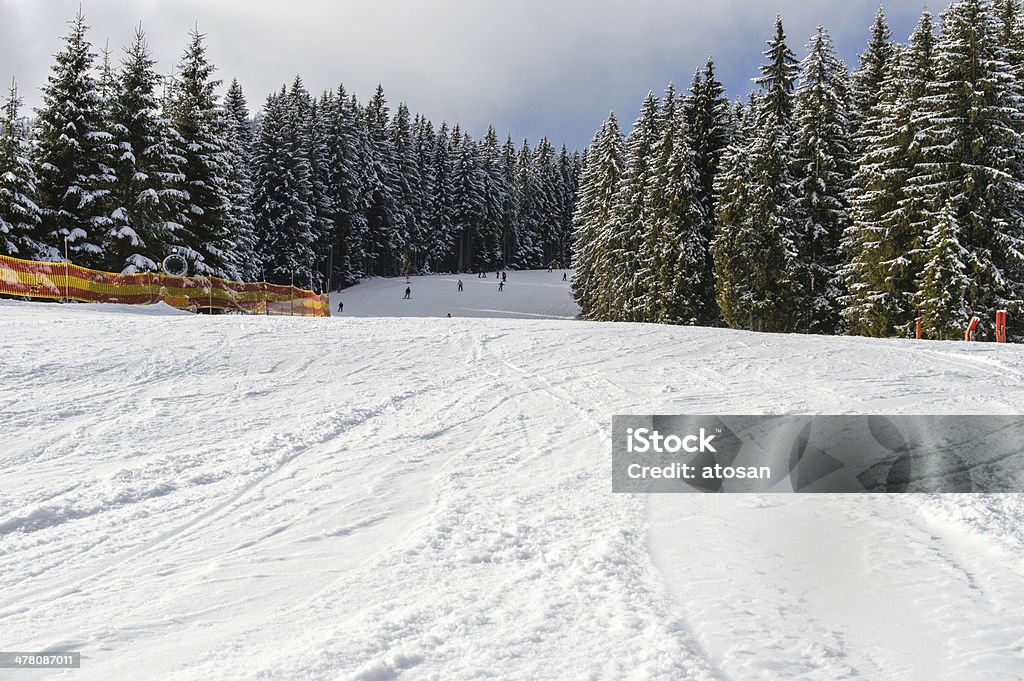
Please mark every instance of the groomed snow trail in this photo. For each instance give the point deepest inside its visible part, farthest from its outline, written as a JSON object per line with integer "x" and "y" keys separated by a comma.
{"x": 238, "y": 498}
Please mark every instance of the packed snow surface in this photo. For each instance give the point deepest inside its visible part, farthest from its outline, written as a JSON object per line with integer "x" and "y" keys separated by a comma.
{"x": 203, "y": 498}
{"x": 527, "y": 295}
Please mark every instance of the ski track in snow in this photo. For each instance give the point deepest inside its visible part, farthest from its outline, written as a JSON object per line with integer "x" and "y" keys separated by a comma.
{"x": 198, "y": 498}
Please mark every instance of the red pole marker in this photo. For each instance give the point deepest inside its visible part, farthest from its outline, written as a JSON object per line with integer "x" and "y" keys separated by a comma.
{"x": 917, "y": 329}
{"x": 972, "y": 328}
{"x": 1001, "y": 326}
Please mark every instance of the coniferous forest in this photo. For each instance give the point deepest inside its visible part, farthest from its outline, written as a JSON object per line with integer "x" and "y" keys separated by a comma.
{"x": 825, "y": 201}
{"x": 127, "y": 165}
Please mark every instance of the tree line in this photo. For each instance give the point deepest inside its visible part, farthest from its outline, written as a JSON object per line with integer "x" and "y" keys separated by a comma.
{"x": 826, "y": 201}
{"x": 122, "y": 166}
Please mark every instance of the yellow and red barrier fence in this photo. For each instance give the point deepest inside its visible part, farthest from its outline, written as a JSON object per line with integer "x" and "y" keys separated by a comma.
{"x": 65, "y": 281}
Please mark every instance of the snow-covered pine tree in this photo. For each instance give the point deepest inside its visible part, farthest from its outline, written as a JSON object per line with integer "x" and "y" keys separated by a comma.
{"x": 823, "y": 167}
{"x": 19, "y": 215}
{"x": 314, "y": 140}
{"x": 624, "y": 297}
{"x": 404, "y": 180}
{"x": 568, "y": 180}
{"x": 383, "y": 239}
{"x": 754, "y": 251}
{"x": 544, "y": 202}
{"x": 711, "y": 125}
{"x": 945, "y": 281}
{"x": 241, "y": 140}
{"x": 423, "y": 141}
{"x": 778, "y": 78}
{"x": 198, "y": 119}
{"x": 866, "y": 82}
{"x": 467, "y": 206}
{"x": 1010, "y": 17}
{"x": 675, "y": 247}
{"x": 530, "y": 245}
{"x": 758, "y": 214}
{"x": 708, "y": 118}
{"x": 70, "y": 154}
{"x": 510, "y": 203}
{"x": 281, "y": 206}
{"x": 599, "y": 186}
{"x": 348, "y": 154}
{"x": 134, "y": 242}
{"x": 441, "y": 232}
{"x": 494, "y": 189}
{"x": 883, "y": 243}
{"x": 972, "y": 156}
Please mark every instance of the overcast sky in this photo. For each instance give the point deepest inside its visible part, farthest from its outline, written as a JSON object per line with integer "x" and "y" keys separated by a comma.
{"x": 530, "y": 67}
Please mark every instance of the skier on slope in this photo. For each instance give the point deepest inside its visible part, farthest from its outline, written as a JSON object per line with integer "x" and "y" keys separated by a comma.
{"x": 341, "y": 306}
{"x": 460, "y": 286}
{"x": 501, "y": 286}
{"x": 565, "y": 276}
{"x": 503, "y": 277}
{"x": 408, "y": 293}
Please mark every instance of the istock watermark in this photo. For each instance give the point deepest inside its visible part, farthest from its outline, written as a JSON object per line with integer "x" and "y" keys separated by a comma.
{"x": 846, "y": 454}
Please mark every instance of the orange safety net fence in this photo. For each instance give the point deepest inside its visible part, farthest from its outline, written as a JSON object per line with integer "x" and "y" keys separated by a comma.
{"x": 65, "y": 281}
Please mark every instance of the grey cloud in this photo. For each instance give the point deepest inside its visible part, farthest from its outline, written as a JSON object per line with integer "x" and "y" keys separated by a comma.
{"x": 532, "y": 67}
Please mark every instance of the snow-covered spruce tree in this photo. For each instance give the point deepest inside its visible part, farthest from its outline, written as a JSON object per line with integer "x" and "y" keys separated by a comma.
{"x": 530, "y": 245}
{"x": 711, "y": 127}
{"x": 822, "y": 168}
{"x": 423, "y": 156}
{"x": 467, "y": 207}
{"x": 624, "y": 296}
{"x": 314, "y": 141}
{"x": 972, "y": 157}
{"x": 883, "y": 243}
{"x": 71, "y": 147}
{"x": 510, "y": 203}
{"x": 494, "y": 189}
{"x": 241, "y": 140}
{"x": 866, "y": 83}
{"x": 348, "y": 154}
{"x": 708, "y": 117}
{"x": 198, "y": 119}
{"x": 1010, "y": 17}
{"x": 754, "y": 250}
{"x": 19, "y": 215}
{"x": 545, "y": 202}
{"x": 284, "y": 217}
{"x": 675, "y": 247}
{"x": 441, "y": 215}
{"x": 405, "y": 180}
{"x": 945, "y": 281}
{"x": 778, "y": 78}
{"x": 140, "y": 201}
{"x": 383, "y": 239}
{"x": 599, "y": 187}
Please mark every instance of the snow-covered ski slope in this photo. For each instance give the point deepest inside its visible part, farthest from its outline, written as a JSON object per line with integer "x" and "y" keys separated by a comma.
{"x": 204, "y": 498}
{"x": 527, "y": 295}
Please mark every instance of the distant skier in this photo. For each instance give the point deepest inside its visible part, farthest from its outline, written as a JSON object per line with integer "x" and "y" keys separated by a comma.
{"x": 460, "y": 286}
{"x": 449, "y": 315}
{"x": 503, "y": 277}
{"x": 341, "y": 306}
{"x": 501, "y": 286}
{"x": 565, "y": 276}
{"x": 408, "y": 293}
{"x": 497, "y": 274}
